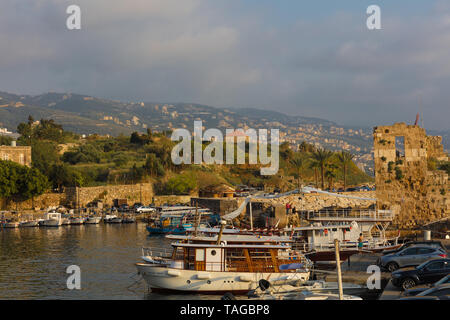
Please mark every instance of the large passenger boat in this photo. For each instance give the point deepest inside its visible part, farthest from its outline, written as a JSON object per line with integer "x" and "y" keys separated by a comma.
{"x": 214, "y": 265}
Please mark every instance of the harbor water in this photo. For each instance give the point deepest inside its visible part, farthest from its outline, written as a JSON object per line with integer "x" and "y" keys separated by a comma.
{"x": 33, "y": 262}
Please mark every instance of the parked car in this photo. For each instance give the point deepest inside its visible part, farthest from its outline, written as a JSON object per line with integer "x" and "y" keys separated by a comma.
{"x": 418, "y": 289}
{"x": 434, "y": 244}
{"x": 142, "y": 209}
{"x": 411, "y": 256}
{"x": 428, "y": 272}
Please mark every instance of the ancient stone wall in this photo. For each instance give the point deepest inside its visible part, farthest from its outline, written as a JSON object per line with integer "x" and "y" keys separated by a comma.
{"x": 403, "y": 178}
{"x": 133, "y": 193}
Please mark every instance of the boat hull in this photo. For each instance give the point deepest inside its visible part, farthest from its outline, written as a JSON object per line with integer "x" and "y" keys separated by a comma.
{"x": 29, "y": 224}
{"x": 51, "y": 223}
{"x": 93, "y": 220}
{"x": 166, "y": 279}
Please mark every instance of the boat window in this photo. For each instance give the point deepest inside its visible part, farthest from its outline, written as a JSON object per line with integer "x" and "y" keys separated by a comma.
{"x": 213, "y": 252}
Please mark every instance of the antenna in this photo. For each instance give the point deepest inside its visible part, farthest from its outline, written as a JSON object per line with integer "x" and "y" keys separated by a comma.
{"x": 421, "y": 111}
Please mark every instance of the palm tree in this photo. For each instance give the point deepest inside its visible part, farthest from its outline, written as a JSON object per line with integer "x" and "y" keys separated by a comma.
{"x": 322, "y": 156}
{"x": 297, "y": 163}
{"x": 345, "y": 158}
{"x": 314, "y": 165}
{"x": 330, "y": 174}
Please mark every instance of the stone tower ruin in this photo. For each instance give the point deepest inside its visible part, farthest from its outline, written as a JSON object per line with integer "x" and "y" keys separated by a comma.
{"x": 406, "y": 174}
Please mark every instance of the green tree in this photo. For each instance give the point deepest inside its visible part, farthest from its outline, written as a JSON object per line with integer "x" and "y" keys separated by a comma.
{"x": 345, "y": 158}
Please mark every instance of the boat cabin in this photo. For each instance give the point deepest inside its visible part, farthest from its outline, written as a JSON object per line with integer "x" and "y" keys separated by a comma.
{"x": 319, "y": 235}
{"x": 52, "y": 216}
{"x": 235, "y": 257}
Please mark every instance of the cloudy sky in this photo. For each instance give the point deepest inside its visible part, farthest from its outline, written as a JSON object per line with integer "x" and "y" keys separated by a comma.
{"x": 311, "y": 58}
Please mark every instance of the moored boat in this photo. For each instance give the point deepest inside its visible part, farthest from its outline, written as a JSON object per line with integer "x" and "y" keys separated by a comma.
{"x": 205, "y": 267}
{"x": 30, "y": 223}
{"x": 52, "y": 219}
{"x": 77, "y": 220}
{"x": 92, "y": 220}
{"x": 129, "y": 219}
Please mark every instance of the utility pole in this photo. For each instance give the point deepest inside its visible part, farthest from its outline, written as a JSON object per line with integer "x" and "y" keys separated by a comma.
{"x": 251, "y": 214}
{"x": 338, "y": 268}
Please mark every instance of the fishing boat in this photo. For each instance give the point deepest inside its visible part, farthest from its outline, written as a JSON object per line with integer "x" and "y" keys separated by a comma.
{"x": 30, "y": 223}
{"x": 179, "y": 221}
{"x": 93, "y": 220}
{"x": 207, "y": 267}
{"x": 107, "y": 218}
{"x": 52, "y": 219}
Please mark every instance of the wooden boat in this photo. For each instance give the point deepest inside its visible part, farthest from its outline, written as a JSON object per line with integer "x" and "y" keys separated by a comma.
{"x": 209, "y": 267}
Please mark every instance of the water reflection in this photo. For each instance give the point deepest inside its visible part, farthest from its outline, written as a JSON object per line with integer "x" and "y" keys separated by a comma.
{"x": 33, "y": 262}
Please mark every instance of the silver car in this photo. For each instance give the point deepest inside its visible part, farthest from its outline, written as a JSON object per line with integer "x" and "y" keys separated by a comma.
{"x": 411, "y": 256}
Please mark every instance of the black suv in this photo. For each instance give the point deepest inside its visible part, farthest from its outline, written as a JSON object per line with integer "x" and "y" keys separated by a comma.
{"x": 428, "y": 272}
{"x": 433, "y": 244}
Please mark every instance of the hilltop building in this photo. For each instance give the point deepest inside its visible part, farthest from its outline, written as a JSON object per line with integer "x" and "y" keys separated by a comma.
{"x": 21, "y": 155}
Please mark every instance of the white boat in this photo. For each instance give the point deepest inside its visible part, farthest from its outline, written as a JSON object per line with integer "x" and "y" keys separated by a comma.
{"x": 115, "y": 220}
{"x": 92, "y": 220}
{"x": 109, "y": 217}
{"x": 52, "y": 219}
{"x": 200, "y": 267}
{"x": 65, "y": 221}
{"x": 31, "y": 223}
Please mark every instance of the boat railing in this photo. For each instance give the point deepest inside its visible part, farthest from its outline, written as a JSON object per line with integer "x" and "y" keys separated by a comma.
{"x": 357, "y": 214}
{"x": 161, "y": 253}
{"x": 322, "y": 246}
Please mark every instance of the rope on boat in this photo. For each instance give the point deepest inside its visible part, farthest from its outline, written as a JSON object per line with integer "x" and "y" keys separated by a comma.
{"x": 135, "y": 282}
